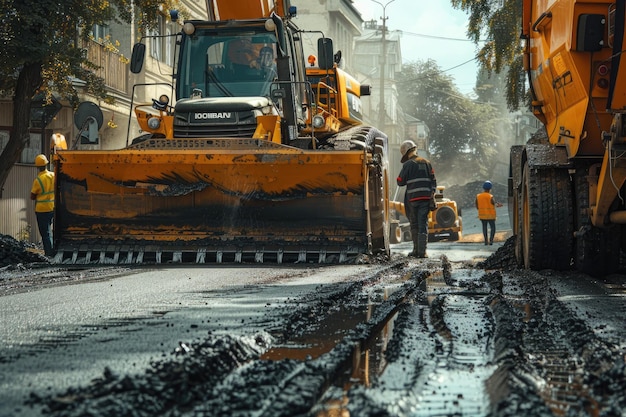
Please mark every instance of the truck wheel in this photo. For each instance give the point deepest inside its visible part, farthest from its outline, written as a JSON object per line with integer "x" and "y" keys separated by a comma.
{"x": 445, "y": 216}
{"x": 395, "y": 233}
{"x": 597, "y": 250}
{"x": 546, "y": 222}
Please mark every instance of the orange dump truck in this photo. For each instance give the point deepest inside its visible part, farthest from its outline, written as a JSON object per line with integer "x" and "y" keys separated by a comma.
{"x": 567, "y": 191}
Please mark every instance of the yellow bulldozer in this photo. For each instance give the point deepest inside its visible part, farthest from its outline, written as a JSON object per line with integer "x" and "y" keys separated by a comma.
{"x": 259, "y": 161}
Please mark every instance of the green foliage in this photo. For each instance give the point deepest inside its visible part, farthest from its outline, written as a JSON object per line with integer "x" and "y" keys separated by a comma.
{"x": 52, "y": 34}
{"x": 499, "y": 22}
{"x": 44, "y": 47}
{"x": 463, "y": 133}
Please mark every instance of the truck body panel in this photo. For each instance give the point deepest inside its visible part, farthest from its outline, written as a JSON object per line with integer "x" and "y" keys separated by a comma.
{"x": 566, "y": 206}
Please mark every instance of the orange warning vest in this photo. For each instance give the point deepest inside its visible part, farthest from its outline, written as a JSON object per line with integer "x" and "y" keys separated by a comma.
{"x": 486, "y": 209}
{"x": 43, "y": 187}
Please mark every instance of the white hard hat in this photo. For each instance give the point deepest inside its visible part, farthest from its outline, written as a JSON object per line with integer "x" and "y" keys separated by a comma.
{"x": 405, "y": 148}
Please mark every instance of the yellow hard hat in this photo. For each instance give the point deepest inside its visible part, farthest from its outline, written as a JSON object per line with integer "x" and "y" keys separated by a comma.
{"x": 41, "y": 160}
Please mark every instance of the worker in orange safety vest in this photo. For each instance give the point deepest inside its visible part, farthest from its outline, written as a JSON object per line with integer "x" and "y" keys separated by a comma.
{"x": 486, "y": 205}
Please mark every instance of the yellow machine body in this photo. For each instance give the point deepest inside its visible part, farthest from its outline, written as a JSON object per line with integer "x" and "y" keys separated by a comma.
{"x": 566, "y": 193}
{"x": 445, "y": 222}
{"x": 253, "y": 163}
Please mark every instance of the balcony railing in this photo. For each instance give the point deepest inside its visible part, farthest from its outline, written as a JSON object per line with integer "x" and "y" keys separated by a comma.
{"x": 113, "y": 67}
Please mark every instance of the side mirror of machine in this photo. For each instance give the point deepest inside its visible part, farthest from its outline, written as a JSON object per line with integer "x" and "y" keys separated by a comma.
{"x": 366, "y": 90}
{"x": 136, "y": 59}
{"x": 325, "y": 54}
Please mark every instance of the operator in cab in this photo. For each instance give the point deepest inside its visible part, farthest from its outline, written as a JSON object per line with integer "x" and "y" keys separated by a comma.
{"x": 241, "y": 52}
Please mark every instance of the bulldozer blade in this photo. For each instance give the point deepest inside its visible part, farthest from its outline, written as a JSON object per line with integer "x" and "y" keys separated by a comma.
{"x": 276, "y": 204}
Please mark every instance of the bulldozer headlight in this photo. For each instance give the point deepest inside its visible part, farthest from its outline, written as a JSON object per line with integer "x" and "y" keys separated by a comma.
{"x": 270, "y": 26}
{"x": 318, "y": 121}
{"x": 154, "y": 123}
{"x": 189, "y": 28}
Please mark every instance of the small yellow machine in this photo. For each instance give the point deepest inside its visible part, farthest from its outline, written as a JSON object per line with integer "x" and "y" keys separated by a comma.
{"x": 260, "y": 161}
{"x": 445, "y": 222}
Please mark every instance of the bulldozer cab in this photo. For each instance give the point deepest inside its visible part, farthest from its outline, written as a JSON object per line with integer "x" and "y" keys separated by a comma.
{"x": 227, "y": 65}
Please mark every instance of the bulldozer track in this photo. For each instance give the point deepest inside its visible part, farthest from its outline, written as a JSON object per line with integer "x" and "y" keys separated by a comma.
{"x": 154, "y": 254}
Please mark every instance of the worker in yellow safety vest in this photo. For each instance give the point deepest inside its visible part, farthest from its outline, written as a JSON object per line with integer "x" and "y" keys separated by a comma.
{"x": 42, "y": 192}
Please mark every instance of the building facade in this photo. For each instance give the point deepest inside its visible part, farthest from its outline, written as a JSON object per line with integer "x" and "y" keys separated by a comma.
{"x": 378, "y": 60}
{"x": 109, "y": 48}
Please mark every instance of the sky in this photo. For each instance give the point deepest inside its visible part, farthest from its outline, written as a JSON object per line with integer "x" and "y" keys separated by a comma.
{"x": 431, "y": 29}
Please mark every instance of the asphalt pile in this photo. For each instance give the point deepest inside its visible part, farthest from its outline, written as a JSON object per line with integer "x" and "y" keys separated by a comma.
{"x": 503, "y": 258}
{"x": 14, "y": 252}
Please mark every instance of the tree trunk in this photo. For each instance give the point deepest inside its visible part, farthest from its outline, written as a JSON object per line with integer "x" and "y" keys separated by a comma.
{"x": 27, "y": 84}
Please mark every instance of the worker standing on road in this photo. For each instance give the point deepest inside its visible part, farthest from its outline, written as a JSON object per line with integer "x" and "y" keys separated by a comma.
{"x": 42, "y": 192}
{"x": 486, "y": 205}
{"x": 419, "y": 177}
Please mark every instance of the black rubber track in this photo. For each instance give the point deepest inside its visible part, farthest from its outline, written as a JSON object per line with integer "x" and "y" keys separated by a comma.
{"x": 547, "y": 226}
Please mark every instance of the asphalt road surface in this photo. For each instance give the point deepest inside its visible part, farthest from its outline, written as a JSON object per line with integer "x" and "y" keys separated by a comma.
{"x": 463, "y": 332}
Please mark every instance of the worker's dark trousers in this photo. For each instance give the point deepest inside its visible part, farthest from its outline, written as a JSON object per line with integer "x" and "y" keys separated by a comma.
{"x": 492, "y": 226}
{"x": 418, "y": 217}
{"x": 44, "y": 223}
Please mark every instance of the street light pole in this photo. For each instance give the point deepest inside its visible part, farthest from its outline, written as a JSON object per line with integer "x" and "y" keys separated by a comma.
{"x": 381, "y": 104}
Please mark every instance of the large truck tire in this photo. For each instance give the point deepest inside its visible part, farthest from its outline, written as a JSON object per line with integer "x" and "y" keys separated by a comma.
{"x": 597, "y": 250}
{"x": 515, "y": 213}
{"x": 547, "y": 218}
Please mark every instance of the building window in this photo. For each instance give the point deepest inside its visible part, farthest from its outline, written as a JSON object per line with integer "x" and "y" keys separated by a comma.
{"x": 155, "y": 44}
{"x": 169, "y": 47}
{"x": 162, "y": 44}
{"x": 33, "y": 147}
{"x": 4, "y": 139}
{"x": 100, "y": 32}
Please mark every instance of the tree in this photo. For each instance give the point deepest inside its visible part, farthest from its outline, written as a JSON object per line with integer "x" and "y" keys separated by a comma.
{"x": 463, "y": 134}
{"x": 500, "y": 21}
{"x": 42, "y": 50}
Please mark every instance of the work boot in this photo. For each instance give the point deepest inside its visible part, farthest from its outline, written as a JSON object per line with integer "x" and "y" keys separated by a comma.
{"x": 422, "y": 240}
